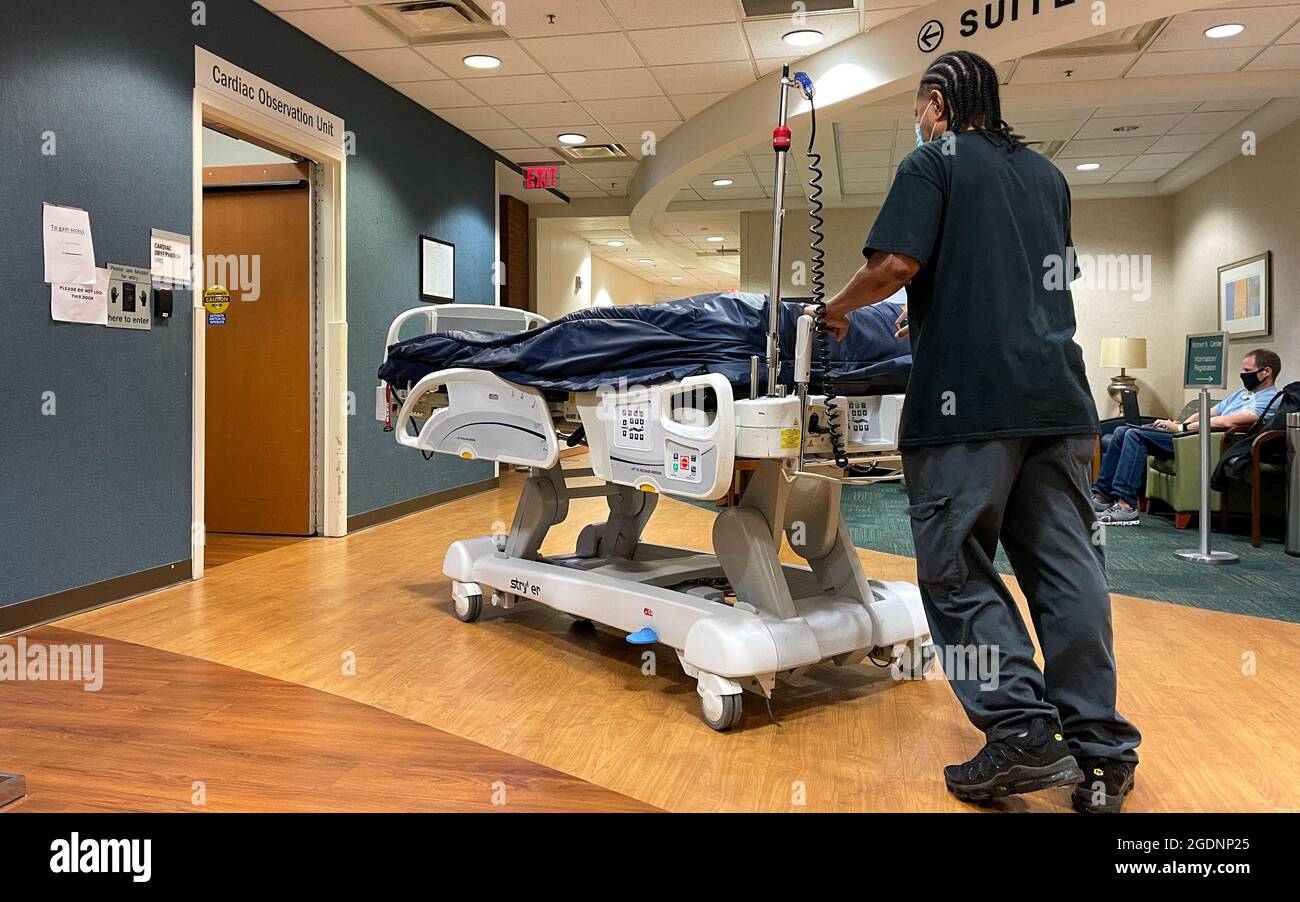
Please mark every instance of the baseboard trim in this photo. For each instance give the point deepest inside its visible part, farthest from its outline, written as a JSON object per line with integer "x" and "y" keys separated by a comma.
{"x": 24, "y": 615}
{"x": 415, "y": 505}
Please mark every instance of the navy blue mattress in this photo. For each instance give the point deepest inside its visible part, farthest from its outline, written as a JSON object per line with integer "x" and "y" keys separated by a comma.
{"x": 650, "y": 343}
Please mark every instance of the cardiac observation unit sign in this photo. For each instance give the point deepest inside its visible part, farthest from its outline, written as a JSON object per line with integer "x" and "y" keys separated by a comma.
{"x": 226, "y": 79}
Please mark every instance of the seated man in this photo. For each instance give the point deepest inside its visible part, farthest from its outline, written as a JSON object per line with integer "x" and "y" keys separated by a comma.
{"x": 1115, "y": 494}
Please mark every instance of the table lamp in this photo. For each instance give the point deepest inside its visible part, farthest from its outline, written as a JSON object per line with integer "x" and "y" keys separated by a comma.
{"x": 1123, "y": 354}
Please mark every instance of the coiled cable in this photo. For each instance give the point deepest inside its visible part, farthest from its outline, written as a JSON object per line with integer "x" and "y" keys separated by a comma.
{"x": 818, "y": 268}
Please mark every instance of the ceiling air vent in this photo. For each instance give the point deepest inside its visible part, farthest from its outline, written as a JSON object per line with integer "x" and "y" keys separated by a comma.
{"x": 756, "y": 8}
{"x": 434, "y": 21}
{"x": 587, "y": 153}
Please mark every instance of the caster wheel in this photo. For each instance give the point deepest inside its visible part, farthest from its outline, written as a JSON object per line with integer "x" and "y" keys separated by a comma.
{"x": 583, "y": 623}
{"x": 468, "y": 607}
{"x": 915, "y": 661}
{"x": 721, "y": 712}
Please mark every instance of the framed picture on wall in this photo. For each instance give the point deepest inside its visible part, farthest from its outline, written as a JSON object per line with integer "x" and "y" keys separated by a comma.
{"x": 1245, "y": 297}
{"x": 437, "y": 270}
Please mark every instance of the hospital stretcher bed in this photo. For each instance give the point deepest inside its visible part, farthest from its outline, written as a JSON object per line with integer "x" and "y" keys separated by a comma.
{"x": 738, "y": 619}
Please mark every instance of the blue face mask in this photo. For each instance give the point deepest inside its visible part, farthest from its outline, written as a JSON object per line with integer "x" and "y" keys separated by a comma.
{"x": 917, "y": 126}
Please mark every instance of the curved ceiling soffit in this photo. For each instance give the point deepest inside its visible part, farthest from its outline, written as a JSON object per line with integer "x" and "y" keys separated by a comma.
{"x": 858, "y": 72}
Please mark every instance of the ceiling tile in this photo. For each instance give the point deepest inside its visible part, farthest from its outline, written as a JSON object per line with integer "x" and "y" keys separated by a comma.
{"x": 1087, "y": 178}
{"x": 1106, "y": 147}
{"x": 1194, "y": 62}
{"x": 342, "y": 29}
{"x": 741, "y": 178}
{"x": 642, "y": 14}
{"x": 738, "y": 163}
{"x": 1181, "y": 143}
{"x": 504, "y": 138}
{"x": 1221, "y": 106}
{"x": 1042, "y": 70}
{"x": 764, "y": 35}
{"x": 1186, "y": 31}
{"x": 1146, "y": 126}
{"x": 1108, "y": 164}
{"x": 1292, "y": 36}
{"x": 538, "y": 115}
{"x": 768, "y": 66}
{"x": 529, "y": 18}
{"x": 861, "y": 158}
{"x": 691, "y": 104}
{"x": 438, "y": 94}
{"x": 547, "y": 137}
{"x": 633, "y": 135}
{"x": 512, "y": 89}
{"x": 395, "y": 64}
{"x": 605, "y": 84}
{"x": 574, "y": 53}
{"x": 849, "y": 141}
{"x": 697, "y": 44}
{"x": 1203, "y": 123}
{"x": 1048, "y": 131}
{"x": 606, "y": 170}
{"x": 1283, "y": 56}
{"x": 702, "y": 78}
{"x": 1150, "y": 109}
{"x": 1133, "y": 176}
{"x": 1158, "y": 160}
{"x": 733, "y": 193}
{"x": 281, "y": 5}
{"x": 451, "y": 58}
{"x": 866, "y": 174}
{"x": 636, "y": 109}
{"x": 529, "y": 154}
{"x": 470, "y": 118}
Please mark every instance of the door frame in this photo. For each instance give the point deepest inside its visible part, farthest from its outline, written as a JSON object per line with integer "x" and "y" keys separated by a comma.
{"x": 329, "y": 200}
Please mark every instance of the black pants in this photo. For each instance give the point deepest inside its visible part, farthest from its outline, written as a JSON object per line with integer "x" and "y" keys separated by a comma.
{"x": 1031, "y": 494}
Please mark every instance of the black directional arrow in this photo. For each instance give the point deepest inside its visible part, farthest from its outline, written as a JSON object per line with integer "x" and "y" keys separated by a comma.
{"x": 930, "y": 36}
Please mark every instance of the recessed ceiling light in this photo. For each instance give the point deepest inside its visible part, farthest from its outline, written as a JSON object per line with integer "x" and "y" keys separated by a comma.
{"x": 645, "y": 260}
{"x": 677, "y": 278}
{"x": 614, "y": 243}
{"x": 481, "y": 61}
{"x": 1224, "y": 31}
{"x": 803, "y": 37}
{"x": 722, "y": 183}
{"x": 1125, "y": 128}
{"x": 1087, "y": 167}
{"x": 571, "y": 138}
{"x": 714, "y": 238}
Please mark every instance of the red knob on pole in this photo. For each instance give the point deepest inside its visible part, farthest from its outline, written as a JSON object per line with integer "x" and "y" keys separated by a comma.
{"x": 781, "y": 137}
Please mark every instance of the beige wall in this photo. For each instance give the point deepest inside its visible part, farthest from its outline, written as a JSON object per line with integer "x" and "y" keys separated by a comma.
{"x": 1243, "y": 208}
{"x": 616, "y": 287}
{"x": 563, "y": 257}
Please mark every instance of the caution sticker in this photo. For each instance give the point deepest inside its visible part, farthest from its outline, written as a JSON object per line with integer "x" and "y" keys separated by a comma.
{"x": 216, "y": 299}
{"x": 790, "y": 437}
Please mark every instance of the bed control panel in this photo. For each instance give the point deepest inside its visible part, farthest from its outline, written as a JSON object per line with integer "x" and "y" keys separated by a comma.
{"x": 677, "y": 438}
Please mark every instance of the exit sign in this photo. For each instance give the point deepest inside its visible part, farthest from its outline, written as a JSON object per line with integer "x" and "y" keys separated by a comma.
{"x": 540, "y": 176}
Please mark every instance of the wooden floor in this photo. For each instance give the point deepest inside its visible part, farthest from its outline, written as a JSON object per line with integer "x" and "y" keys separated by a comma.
{"x": 1218, "y": 737}
{"x": 227, "y": 547}
{"x": 173, "y": 733}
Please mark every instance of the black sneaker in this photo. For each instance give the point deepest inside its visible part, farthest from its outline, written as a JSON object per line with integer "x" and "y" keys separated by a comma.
{"x": 1105, "y": 783}
{"x": 1036, "y": 759}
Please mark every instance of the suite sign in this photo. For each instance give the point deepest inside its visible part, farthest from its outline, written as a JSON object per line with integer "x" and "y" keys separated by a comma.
{"x": 227, "y": 80}
{"x": 990, "y": 16}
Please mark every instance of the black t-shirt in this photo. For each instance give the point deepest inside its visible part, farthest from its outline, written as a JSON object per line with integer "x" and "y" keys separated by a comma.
{"x": 991, "y": 316}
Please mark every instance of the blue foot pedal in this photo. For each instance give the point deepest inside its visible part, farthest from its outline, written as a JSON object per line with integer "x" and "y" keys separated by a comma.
{"x": 644, "y": 636}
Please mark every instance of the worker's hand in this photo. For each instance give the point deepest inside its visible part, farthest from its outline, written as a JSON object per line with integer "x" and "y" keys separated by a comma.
{"x": 1167, "y": 425}
{"x": 901, "y": 324}
{"x": 835, "y": 324}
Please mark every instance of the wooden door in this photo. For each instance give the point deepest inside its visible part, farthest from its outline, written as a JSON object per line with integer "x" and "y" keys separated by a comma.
{"x": 259, "y": 386}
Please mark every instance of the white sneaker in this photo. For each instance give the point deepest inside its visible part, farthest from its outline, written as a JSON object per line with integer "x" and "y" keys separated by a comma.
{"x": 1118, "y": 516}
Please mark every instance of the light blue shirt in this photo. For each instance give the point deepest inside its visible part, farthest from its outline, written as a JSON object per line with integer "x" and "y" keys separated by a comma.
{"x": 1241, "y": 400}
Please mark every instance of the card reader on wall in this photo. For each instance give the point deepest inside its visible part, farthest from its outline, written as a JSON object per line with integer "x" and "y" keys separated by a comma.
{"x": 162, "y": 302}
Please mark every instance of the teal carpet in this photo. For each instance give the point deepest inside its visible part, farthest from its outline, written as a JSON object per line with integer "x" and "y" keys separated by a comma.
{"x": 1140, "y": 560}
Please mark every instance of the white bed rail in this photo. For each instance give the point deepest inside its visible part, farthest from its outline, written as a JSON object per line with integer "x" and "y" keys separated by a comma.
{"x": 463, "y": 317}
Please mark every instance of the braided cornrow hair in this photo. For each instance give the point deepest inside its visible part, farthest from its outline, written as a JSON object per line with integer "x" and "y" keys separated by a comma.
{"x": 969, "y": 86}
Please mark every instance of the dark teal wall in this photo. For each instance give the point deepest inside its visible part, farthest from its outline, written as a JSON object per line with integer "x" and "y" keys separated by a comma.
{"x": 102, "y": 489}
